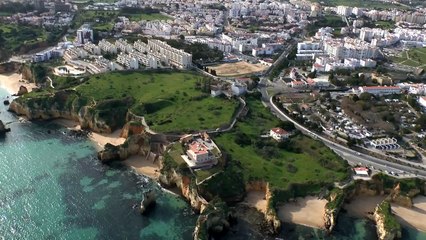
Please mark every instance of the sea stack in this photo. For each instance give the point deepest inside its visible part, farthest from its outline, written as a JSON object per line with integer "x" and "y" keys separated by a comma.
{"x": 3, "y": 129}
{"x": 148, "y": 201}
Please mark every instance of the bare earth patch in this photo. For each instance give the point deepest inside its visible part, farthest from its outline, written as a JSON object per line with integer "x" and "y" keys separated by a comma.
{"x": 257, "y": 200}
{"x": 237, "y": 69}
{"x": 308, "y": 211}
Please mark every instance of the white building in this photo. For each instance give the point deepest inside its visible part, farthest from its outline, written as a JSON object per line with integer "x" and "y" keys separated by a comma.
{"x": 107, "y": 47}
{"x": 199, "y": 153}
{"x": 278, "y": 134}
{"x": 84, "y": 34}
{"x": 422, "y": 101}
{"x": 380, "y": 90}
{"x": 92, "y": 48}
{"x": 344, "y": 10}
{"x": 363, "y": 171}
{"x": 174, "y": 56}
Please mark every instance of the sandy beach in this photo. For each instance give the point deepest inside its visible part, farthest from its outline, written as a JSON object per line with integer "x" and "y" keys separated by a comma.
{"x": 361, "y": 205}
{"x": 12, "y": 82}
{"x": 100, "y": 139}
{"x": 308, "y": 211}
{"x": 143, "y": 166}
{"x": 257, "y": 200}
{"x": 414, "y": 217}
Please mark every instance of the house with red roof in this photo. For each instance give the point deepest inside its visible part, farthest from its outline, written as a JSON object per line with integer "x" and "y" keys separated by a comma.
{"x": 279, "y": 134}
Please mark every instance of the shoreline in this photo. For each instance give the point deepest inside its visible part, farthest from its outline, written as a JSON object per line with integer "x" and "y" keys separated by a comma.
{"x": 143, "y": 165}
{"x": 140, "y": 164}
{"x": 12, "y": 82}
{"x": 308, "y": 211}
{"x": 409, "y": 217}
{"x": 99, "y": 139}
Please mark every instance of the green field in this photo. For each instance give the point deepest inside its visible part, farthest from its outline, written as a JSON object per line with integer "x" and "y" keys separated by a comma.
{"x": 415, "y": 57}
{"x": 312, "y": 162}
{"x": 359, "y": 3}
{"x": 169, "y": 101}
{"x": 17, "y": 36}
{"x": 104, "y": 20}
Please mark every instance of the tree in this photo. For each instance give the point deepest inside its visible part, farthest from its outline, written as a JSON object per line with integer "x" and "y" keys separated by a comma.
{"x": 286, "y": 125}
{"x": 365, "y": 96}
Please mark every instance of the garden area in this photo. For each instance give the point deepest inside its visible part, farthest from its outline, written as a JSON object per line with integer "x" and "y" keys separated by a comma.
{"x": 415, "y": 57}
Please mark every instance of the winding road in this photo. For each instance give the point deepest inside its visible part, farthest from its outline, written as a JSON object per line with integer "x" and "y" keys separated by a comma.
{"x": 352, "y": 156}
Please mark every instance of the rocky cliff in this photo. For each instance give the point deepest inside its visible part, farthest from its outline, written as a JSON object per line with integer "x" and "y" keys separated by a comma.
{"x": 131, "y": 128}
{"x": 134, "y": 145}
{"x": 3, "y": 129}
{"x": 332, "y": 208}
{"x": 186, "y": 185}
{"x": 103, "y": 117}
{"x": 387, "y": 226}
{"x": 213, "y": 221}
{"x": 271, "y": 215}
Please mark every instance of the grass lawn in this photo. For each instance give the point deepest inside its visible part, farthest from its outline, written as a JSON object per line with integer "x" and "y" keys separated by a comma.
{"x": 19, "y": 35}
{"x": 100, "y": 20}
{"x": 104, "y": 20}
{"x": 169, "y": 101}
{"x": 314, "y": 163}
{"x": 415, "y": 57}
{"x": 385, "y": 24}
{"x": 5, "y": 14}
{"x": 359, "y": 3}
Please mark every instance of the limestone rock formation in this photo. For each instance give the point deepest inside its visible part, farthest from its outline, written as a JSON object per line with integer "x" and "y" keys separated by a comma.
{"x": 132, "y": 128}
{"x": 3, "y": 129}
{"x": 387, "y": 226}
{"x": 136, "y": 144}
{"x": 148, "y": 201}
{"x": 22, "y": 90}
{"x": 271, "y": 216}
{"x": 332, "y": 208}
{"x": 213, "y": 221}
{"x": 101, "y": 116}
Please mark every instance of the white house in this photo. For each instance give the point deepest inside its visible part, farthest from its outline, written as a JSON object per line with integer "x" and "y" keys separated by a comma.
{"x": 238, "y": 89}
{"x": 363, "y": 171}
{"x": 278, "y": 134}
{"x": 422, "y": 101}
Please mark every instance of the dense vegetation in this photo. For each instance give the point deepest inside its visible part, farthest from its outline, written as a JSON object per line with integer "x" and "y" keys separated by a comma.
{"x": 332, "y": 21}
{"x": 20, "y": 38}
{"x": 201, "y": 53}
{"x": 8, "y": 8}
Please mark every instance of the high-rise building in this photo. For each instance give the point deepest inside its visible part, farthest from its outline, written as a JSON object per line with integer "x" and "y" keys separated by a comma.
{"x": 84, "y": 34}
{"x": 39, "y": 5}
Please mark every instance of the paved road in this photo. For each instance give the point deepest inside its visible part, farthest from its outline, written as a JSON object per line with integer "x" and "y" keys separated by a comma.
{"x": 352, "y": 156}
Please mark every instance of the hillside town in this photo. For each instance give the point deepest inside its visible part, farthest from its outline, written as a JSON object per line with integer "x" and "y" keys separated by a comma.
{"x": 261, "y": 115}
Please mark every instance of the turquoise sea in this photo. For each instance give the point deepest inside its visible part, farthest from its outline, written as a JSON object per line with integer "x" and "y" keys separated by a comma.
{"x": 53, "y": 187}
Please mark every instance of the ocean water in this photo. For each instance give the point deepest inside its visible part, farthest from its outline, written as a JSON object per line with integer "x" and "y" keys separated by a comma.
{"x": 53, "y": 187}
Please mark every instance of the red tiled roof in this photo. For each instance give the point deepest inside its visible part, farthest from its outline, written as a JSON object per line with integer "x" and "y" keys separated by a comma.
{"x": 279, "y": 131}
